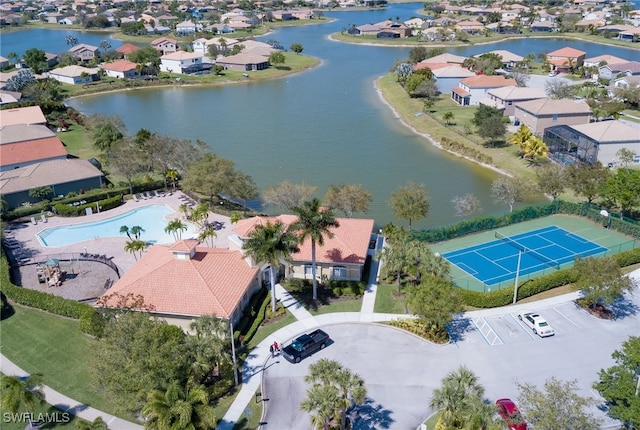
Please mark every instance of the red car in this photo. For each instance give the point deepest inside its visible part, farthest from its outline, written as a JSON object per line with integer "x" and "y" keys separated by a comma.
{"x": 510, "y": 414}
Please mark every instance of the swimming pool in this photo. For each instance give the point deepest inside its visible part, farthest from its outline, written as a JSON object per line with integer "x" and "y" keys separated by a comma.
{"x": 150, "y": 218}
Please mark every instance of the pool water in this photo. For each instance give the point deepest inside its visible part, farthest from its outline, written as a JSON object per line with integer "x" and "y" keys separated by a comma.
{"x": 150, "y": 218}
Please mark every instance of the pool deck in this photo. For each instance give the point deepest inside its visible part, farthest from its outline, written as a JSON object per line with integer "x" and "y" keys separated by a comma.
{"x": 24, "y": 233}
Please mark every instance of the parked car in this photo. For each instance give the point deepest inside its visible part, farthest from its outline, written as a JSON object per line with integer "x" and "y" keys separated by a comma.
{"x": 510, "y": 413}
{"x": 535, "y": 322}
{"x": 553, "y": 73}
{"x": 305, "y": 345}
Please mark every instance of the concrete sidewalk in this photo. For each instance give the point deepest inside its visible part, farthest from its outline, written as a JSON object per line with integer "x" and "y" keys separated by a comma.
{"x": 67, "y": 404}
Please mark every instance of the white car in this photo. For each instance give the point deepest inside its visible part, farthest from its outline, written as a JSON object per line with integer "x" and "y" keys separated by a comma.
{"x": 535, "y": 322}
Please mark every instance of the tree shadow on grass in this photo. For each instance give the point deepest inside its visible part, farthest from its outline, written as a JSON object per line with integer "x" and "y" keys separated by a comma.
{"x": 283, "y": 67}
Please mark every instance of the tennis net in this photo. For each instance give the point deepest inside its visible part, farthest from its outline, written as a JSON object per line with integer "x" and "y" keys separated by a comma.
{"x": 524, "y": 249}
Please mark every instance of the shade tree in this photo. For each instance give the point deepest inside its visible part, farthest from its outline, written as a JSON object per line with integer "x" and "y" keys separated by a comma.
{"x": 586, "y": 180}
{"x": 410, "y": 202}
{"x": 600, "y": 280}
{"x": 288, "y": 194}
{"x": 508, "y": 190}
{"x": 435, "y": 301}
{"x": 466, "y": 205}
{"x": 349, "y": 198}
{"x": 552, "y": 179}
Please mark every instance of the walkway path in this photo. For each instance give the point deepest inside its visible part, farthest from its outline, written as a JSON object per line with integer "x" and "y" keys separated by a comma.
{"x": 67, "y": 404}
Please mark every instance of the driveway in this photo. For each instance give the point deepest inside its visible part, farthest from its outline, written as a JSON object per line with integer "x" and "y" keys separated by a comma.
{"x": 401, "y": 371}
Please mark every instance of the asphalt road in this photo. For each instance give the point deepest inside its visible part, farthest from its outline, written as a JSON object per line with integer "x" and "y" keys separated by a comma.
{"x": 401, "y": 371}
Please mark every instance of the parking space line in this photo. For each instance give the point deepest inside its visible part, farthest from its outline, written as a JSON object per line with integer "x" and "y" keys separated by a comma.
{"x": 491, "y": 337}
{"x": 567, "y": 318}
{"x": 524, "y": 327}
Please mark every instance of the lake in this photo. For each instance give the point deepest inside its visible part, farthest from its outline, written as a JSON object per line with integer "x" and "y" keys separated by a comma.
{"x": 324, "y": 126}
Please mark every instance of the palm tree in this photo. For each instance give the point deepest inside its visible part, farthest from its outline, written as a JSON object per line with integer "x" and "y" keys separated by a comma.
{"x": 177, "y": 409}
{"x": 97, "y": 424}
{"x": 134, "y": 246}
{"x": 314, "y": 222}
{"x": 184, "y": 208}
{"x": 124, "y": 229}
{"x": 200, "y": 214}
{"x": 208, "y": 345}
{"x": 105, "y": 45}
{"x": 349, "y": 386}
{"x": 535, "y": 148}
{"x": 71, "y": 40}
{"x": 137, "y": 231}
{"x": 207, "y": 234}
{"x": 396, "y": 259}
{"x": 269, "y": 244}
{"x": 521, "y": 136}
{"x": 457, "y": 397}
{"x": 19, "y": 393}
{"x": 320, "y": 403}
{"x": 176, "y": 227}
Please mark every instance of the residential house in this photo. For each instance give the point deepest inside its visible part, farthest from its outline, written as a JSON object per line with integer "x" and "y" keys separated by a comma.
{"x": 613, "y": 71}
{"x": 122, "y": 69}
{"x": 593, "y": 142}
{"x": 564, "y": 59}
{"x": 68, "y": 20}
{"x": 542, "y": 113}
{"x": 183, "y": 62}
{"x": 4, "y": 62}
{"x": 505, "y": 98}
{"x": 8, "y": 97}
{"x": 186, "y": 28}
{"x": 165, "y": 45}
{"x": 30, "y": 115}
{"x": 366, "y": 30}
{"x": 627, "y": 82}
{"x": 473, "y": 89}
{"x": 53, "y": 17}
{"x": 603, "y": 59}
{"x": 449, "y": 76}
{"x": 51, "y": 59}
{"x": 183, "y": 281}
{"x": 74, "y": 75}
{"x": 469, "y": 26}
{"x": 127, "y": 49}
{"x": 446, "y": 58}
{"x": 509, "y": 59}
{"x": 84, "y": 52}
{"x": 219, "y": 29}
{"x": 342, "y": 257}
{"x": 543, "y": 26}
{"x": 244, "y": 62}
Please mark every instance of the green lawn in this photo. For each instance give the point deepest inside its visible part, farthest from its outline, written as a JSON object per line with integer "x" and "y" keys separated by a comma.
{"x": 248, "y": 421}
{"x": 270, "y": 328}
{"x": 55, "y": 347}
{"x": 77, "y": 141}
{"x": 353, "y": 305}
{"x": 387, "y": 301}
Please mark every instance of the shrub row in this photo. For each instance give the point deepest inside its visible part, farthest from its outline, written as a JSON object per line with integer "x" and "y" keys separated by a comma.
{"x": 475, "y": 225}
{"x": 249, "y": 314}
{"x": 64, "y": 209}
{"x": 535, "y": 286}
{"x": 346, "y": 288}
{"x": 259, "y": 319}
{"x": 460, "y": 148}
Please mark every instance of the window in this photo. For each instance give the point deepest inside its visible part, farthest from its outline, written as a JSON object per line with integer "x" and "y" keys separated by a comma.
{"x": 308, "y": 269}
{"x": 339, "y": 272}
{"x": 555, "y": 117}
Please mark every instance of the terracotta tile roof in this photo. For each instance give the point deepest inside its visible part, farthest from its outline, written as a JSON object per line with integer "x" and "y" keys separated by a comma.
{"x": 212, "y": 282}
{"x": 445, "y": 58}
{"x": 431, "y": 66}
{"x": 24, "y": 115}
{"x": 31, "y": 151}
{"x": 459, "y": 91}
{"x": 566, "y": 52}
{"x": 162, "y": 41}
{"x": 609, "y": 59}
{"x": 127, "y": 48}
{"x": 610, "y": 132}
{"x": 548, "y": 106}
{"x": 119, "y": 66}
{"x": 349, "y": 244}
{"x": 45, "y": 173}
{"x": 83, "y": 47}
{"x": 486, "y": 81}
{"x": 185, "y": 245}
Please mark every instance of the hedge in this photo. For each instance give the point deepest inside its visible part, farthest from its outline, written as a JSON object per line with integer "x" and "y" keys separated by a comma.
{"x": 535, "y": 286}
{"x": 64, "y": 209}
{"x": 466, "y": 227}
{"x": 257, "y": 322}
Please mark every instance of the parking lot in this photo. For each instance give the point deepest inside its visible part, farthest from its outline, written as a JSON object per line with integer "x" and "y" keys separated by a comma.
{"x": 401, "y": 371}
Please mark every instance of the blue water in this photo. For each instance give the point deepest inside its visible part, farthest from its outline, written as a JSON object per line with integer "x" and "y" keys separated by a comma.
{"x": 150, "y": 218}
{"x": 52, "y": 41}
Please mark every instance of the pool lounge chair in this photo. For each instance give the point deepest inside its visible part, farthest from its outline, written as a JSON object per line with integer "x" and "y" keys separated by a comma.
{"x": 142, "y": 196}
{"x": 43, "y": 218}
{"x": 135, "y": 198}
{"x": 33, "y": 221}
{"x": 148, "y": 194}
{"x": 158, "y": 193}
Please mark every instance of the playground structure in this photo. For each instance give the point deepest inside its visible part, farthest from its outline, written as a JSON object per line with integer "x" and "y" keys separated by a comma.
{"x": 50, "y": 273}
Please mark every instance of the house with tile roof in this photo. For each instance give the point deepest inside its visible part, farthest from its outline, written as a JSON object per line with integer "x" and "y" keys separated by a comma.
{"x": 542, "y": 113}
{"x": 84, "y": 52}
{"x": 626, "y": 82}
{"x": 185, "y": 280}
{"x": 342, "y": 257}
{"x": 505, "y": 98}
{"x": 566, "y": 58}
{"x": 244, "y": 61}
{"x": 122, "y": 69}
{"x": 23, "y": 115}
{"x": 509, "y": 59}
{"x": 612, "y": 71}
{"x": 606, "y": 58}
{"x": 183, "y": 62}
{"x": 22, "y": 145}
{"x": 446, "y": 58}
{"x": 473, "y": 89}
{"x": 127, "y": 49}
{"x": 165, "y": 45}
{"x": 593, "y": 142}
{"x": 449, "y": 76}
{"x": 74, "y": 75}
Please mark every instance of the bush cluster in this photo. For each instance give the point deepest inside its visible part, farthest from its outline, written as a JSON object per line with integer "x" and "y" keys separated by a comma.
{"x": 422, "y": 329}
{"x": 259, "y": 319}
{"x": 64, "y": 209}
{"x": 346, "y": 288}
{"x": 460, "y": 148}
{"x": 250, "y": 312}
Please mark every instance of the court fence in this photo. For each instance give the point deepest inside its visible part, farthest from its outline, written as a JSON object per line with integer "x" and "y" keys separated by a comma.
{"x": 594, "y": 213}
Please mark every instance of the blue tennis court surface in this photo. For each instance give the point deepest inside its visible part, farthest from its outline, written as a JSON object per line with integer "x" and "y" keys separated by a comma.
{"x": 497, "y": 261}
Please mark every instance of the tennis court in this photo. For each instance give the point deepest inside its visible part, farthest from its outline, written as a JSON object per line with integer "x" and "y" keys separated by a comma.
{"x": 542, "y": 249}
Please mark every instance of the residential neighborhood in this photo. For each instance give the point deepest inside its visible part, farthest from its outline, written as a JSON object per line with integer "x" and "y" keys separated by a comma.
{"x": 239, "y": 215}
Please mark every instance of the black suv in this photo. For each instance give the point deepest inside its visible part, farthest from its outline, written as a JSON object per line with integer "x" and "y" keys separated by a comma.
{"x": 305, "y": 345}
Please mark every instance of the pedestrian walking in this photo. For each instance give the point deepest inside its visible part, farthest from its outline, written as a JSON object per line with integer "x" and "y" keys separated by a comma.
{"x": 276, "y": 347}
{"x": 272, "y": 350}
